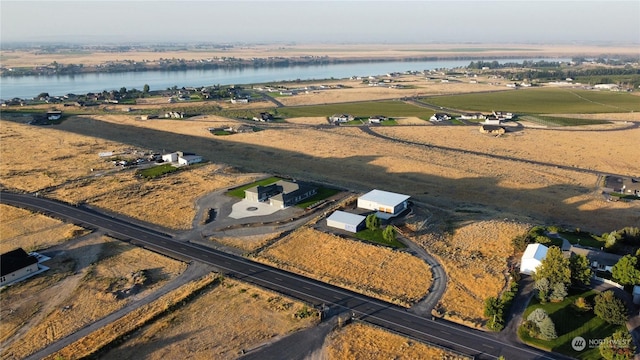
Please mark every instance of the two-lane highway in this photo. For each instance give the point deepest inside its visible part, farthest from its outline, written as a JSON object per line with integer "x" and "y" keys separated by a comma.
{"x": 476, "y": 343}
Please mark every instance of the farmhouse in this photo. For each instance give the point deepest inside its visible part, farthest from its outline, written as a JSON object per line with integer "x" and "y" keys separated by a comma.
{"x": 599, "y": 260}
{"x": 280, "y": 194}
{"x": 346, "y": 221}
{"x": 16, "y": 264}
{"x": 54, "y": 115}
{"x": 532, "y": 258}
{"x": 263, "y": 116}
{"x": 387, "y": 204}
{"x": 472, "y": 116}
{"x": 377, "y": 119}
{"x": 437, "y": 117}
{"x": 182, "y": 158}
{"x": 340, "y": 118}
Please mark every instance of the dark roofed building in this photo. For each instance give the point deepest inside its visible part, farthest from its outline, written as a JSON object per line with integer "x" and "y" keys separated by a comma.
{"x": 16, "y": 264}
{"x": 281, "y": 194}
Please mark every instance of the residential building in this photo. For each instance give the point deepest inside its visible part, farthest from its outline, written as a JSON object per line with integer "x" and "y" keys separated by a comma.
{"x": 437, "y": 117}
{"x": 280, "y": 194}
{"x": 16, "y": 264}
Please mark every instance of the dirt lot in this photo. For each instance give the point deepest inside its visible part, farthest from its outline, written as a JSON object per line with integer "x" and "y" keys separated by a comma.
{"x": 31, "y": 231}
{"x": 476, "y": 258}
{"x": 376, "y": 271}
{"x": 89, "y": 277}
{"x": 360, "y": 341}
{"x": 217, "y": 324}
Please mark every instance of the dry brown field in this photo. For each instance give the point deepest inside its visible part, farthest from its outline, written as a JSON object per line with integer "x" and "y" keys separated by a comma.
{"x": 32, "y": 231}
{"x": 376, "y": 271}
{"x": 476, "y": 258}
{"x": 366, "y": 342}
{"x": 88, "y": 279}
{"x": 219, "y": 323}
{"x": 17, "y": 58}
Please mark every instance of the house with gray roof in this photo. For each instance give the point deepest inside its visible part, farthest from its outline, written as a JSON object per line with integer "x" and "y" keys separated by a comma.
{"x": 281, "y": 194}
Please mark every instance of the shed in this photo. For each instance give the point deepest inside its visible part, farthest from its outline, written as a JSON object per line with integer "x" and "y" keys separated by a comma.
{"x": 189, "y": 159}
{"x": 532, "y": 258}
{"x": 383, "y": 202}
{"x": 16, "y": 264}
{"x": 346, "y": 221}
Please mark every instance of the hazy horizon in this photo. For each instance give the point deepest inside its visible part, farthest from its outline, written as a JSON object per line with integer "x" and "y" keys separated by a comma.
{"x": 522, "y": 22}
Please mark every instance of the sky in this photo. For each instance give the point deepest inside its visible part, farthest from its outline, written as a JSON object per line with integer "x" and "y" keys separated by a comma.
{"x": 329, "y": 21}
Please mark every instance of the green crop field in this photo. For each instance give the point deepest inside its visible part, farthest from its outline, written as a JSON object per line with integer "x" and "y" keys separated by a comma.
{"x": 542, "y": 101}
{"x": 360, "y": 109}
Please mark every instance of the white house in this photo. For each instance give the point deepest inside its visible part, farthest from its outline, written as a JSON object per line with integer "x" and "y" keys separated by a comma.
{"x": 437, "y": 117}
{"x": 532, "y": 258}
{"x": 387, "y": 204}
{"x": 345, "y": 221}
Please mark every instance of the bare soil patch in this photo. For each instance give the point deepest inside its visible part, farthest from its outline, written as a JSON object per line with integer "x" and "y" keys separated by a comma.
{"x": 32, "y": 231}
{"x": 360, "y": 341}
{"x": 477, "y": 258}
{"x": 87, "y": 280}
{"x": 376, "y": 271}
{"x": 219, "y": 323}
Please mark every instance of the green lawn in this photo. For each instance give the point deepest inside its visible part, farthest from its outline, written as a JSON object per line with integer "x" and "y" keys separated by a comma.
{"x": 569, "y": 324}
{"x": 541, "y": 101}
{"x": 156, "y": 171}
{"x": 323, "y": 193}
{"x": 360, "y": 109}
{"x": 239, "y": 191}
{"x": 375, "y": 236}
{"x": 585, "y": 239}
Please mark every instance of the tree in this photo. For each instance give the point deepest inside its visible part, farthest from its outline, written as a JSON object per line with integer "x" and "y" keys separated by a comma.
{"x": 372, "y": 222}
{"x": 389, "y": 234}
{"x": 543, "y": 287}
{"x": 618, "y": 346}
{"x": 625, "y": 271}
{"x": 554, "y": 267}
{"x": 547, "y": 329}
{"x": 145, "y": 88}
{"x": 558, "y": 293}
{"x": 580, "y": 270}
{"x": 610, "y": 309}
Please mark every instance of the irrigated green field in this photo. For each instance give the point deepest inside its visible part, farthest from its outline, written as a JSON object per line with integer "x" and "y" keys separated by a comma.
{"x": 360, "y": 109}
{"x": 542, "y": 101}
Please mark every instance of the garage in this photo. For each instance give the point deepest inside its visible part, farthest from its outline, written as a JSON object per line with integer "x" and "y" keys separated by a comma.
{"x": 346, "y": 221}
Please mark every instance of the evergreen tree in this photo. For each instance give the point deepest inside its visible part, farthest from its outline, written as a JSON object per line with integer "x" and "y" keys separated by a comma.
{"x": 543, "y": 287}
{"x": 554, "y": 267}
{"x": 547, "y": 329}
{"x": 580, "y": 270}
{"x": 625, "y": 271}
{"x": 558, "y": 292}
{"x": 610, "y": 309}
{"x": 618, "y": 346}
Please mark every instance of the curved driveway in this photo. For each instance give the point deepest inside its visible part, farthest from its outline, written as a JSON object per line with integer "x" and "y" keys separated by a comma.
{"x": 449, "y": 335}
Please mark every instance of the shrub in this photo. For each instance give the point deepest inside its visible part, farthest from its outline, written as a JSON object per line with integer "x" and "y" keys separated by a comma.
{"x": 618, "y": 346}
{"x": 543, "y": 287}
{"x": 581, "y": 304}
{"x": 547, "y": 329}
{"x": 558, "y": 293}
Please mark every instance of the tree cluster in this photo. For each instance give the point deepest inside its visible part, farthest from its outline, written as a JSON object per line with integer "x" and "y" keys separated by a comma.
{"x": 496, "y": 308}
{"x": 610, "y": 308}
{"x": 540, "y": 325}
{"x": 556, "y": 272}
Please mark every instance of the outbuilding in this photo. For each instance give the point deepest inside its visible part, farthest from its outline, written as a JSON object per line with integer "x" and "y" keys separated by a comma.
{"x": 384, "y": 202}
{"x": 16, "y": 264}
{"x": 346, "y": 221}
{"x": 532, "y": 258}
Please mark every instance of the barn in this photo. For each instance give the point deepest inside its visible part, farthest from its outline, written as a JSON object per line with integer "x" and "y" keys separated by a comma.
{"x": 346, "y": 221}
{"x": 532, "y": 258}
{"x": 387, "y": 204}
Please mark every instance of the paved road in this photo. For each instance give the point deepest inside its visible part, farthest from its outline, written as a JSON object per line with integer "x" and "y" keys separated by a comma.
{"x": 476, "y": 343}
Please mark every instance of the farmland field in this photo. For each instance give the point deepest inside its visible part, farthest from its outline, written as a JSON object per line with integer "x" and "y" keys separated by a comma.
{"x": 542, "y": 101}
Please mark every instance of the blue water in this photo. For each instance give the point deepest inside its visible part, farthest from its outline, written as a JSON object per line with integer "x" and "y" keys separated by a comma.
{"x": 27, "y": 87}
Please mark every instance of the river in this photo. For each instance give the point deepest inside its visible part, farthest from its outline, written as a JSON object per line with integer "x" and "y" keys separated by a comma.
{"x": 27, "y": 87}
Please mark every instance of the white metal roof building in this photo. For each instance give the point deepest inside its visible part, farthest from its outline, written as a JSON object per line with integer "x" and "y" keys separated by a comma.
{"x": 532, "y": 258}
{"x": 345, "y": 221}
{"x": 383, "y": 201}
